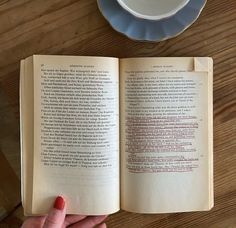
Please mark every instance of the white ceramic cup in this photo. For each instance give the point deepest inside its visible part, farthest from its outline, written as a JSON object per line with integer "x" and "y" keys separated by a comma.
{"x": 153, "y": 9}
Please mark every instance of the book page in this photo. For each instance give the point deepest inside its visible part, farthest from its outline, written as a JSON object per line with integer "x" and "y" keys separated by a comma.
{"x": 26, "y": 128}
{"x": 76, "y": 134}
{"x": 166, "y": 140}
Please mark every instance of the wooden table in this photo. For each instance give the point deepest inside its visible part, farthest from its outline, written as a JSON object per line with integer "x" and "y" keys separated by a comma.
{"x": 76, "y": 27}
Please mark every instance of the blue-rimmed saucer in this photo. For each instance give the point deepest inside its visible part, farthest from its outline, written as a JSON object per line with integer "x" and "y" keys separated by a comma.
{"x": 150, "y": 30}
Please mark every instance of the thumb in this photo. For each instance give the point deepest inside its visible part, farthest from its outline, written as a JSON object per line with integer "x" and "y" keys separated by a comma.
{"x": 56, "y": 216}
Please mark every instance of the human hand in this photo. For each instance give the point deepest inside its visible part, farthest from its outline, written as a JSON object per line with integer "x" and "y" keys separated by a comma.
{"x": 57, "y": 218}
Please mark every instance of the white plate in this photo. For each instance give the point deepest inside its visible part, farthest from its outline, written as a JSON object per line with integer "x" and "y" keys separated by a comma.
{"x": 150, "y": 30}
{"x": 153, "y": 9}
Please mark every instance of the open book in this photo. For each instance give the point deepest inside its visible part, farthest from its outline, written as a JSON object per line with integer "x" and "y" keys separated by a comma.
{"x": 109, "y": 134}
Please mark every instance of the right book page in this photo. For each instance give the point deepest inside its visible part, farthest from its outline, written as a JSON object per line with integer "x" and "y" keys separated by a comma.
{"x": 166, "y": 134}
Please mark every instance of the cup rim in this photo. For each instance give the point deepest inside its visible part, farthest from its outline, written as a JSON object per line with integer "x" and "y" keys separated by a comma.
{"x": 148, "y": 17}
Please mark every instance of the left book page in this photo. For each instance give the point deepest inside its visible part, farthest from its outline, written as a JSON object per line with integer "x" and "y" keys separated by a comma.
{"x": 26, "y": 126}
{"x": 76, "y": 134}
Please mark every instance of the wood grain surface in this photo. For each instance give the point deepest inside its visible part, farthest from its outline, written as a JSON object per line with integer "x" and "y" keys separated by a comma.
{"x": 76, "y": 27}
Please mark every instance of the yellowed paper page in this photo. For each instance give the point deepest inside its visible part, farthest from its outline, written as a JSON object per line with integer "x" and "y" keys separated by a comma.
{"x": 76, "y": 134}
{"x": 166, "y": 139}
{"x": 27, "y": 126}
{"x": 206, "y": 64}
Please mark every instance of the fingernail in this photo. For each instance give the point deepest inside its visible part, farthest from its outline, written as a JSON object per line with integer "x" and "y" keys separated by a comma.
{"x": 59, "y": 203}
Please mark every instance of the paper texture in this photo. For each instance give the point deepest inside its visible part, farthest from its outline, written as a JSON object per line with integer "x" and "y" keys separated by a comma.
{"x": 76, "y": 134}
{"x": 27, "y": 128}
{"x": 76, "y": 123}
{"x": 166, "y": 146}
